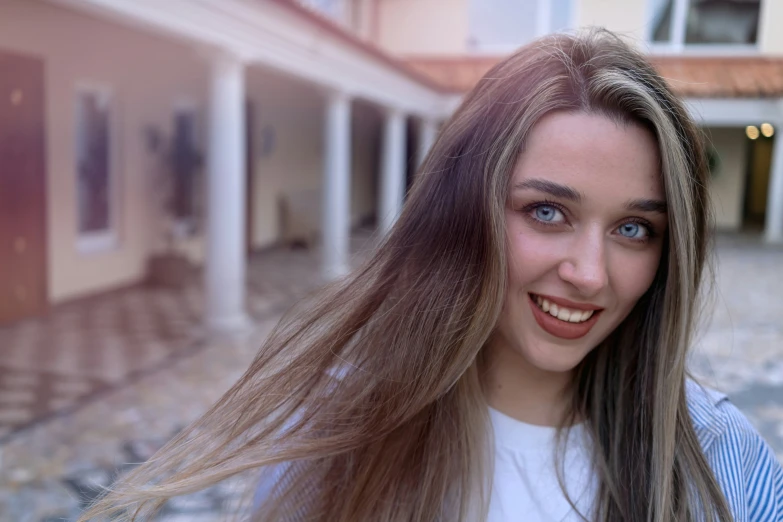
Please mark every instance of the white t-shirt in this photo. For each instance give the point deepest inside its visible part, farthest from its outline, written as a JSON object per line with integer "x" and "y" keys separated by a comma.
{"x": 525, "y": 485}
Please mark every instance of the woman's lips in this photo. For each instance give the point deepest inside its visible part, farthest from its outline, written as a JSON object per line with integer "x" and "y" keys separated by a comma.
{"x": 558, "y": 328}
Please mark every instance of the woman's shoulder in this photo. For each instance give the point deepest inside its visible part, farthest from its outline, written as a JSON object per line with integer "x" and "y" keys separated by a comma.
{"x": 719, "y": 425}
{"x": 744, "y": 464}
{"x": 716, "y": 420}
{"x": 710, "y": 411}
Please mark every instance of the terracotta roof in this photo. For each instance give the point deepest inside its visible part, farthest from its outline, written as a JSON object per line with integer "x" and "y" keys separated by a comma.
{"x": 457, "y": 74}
{"x": 751, "y": 77}
{"x": 696, "y": 77}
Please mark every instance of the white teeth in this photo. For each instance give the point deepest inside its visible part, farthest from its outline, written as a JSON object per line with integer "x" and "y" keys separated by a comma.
{"x": 564, "y": 314}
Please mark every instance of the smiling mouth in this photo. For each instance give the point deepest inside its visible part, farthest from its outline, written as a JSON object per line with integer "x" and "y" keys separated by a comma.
{"x": 561, "y": 321}
{"x": 568, "y": 315}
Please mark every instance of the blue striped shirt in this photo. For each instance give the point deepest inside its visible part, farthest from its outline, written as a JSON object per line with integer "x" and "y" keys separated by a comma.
{"x": 744, "y": 465}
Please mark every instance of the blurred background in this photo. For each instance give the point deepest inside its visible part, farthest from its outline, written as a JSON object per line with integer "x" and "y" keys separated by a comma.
{"x": 174, "y": 174}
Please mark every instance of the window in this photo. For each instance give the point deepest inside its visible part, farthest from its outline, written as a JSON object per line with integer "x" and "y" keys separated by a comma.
{"x": 504, "y": 25}
{"x": 330, "y": 8}
{"x": 357, "y": 16}
{"x": 561, "y": 13}
{"x": 95, "y": 183}
{"x": 699, "y": 22}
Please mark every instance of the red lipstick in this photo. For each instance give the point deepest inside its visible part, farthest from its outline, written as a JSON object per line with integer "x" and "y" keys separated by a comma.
{"x": 563, "y": 329}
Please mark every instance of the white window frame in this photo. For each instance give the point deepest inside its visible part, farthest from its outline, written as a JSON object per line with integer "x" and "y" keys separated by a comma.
{"x": 545, "y": 20}
{"x": 677, "y": 45}
{"x": 105, "y": 240}
{"x": 340, "y": 7}
{"x": 543, "y": 27}
{"x": 543, "y": 17}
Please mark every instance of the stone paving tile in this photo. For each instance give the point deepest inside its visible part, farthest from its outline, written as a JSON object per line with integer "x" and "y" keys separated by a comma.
{"x": 740, "y": 350}
{"x": 51, "y": 470}
{"x": 55, "y": 468}
{"x": 54, "y": 363}
{"x": 48, "y": 471}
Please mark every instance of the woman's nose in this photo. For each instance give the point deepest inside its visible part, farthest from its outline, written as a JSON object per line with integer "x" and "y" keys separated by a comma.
{"x": 585, "y": 267}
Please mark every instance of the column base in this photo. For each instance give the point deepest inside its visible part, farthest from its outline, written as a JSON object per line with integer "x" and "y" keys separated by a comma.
{"x": 773, "y": 238}
{"x": 236, "y": 324}
{"x": 331, "y": 273}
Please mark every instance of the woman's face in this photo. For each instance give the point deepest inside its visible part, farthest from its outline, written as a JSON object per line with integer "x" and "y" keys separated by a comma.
{"x": 585, "y": 220}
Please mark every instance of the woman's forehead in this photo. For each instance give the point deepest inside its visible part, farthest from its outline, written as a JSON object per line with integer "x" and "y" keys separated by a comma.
{"x": 593, "y": 156}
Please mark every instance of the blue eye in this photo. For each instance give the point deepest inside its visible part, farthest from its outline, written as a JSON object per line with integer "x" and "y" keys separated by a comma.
{"x": 633, "y": 231}
{"x": 546, "y": 213}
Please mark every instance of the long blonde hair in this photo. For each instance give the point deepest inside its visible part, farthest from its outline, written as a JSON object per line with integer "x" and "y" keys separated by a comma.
{"x": 401, "y": 434}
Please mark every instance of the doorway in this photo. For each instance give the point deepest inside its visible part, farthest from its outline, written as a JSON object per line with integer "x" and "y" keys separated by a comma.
{"x": 23, "y": 277}
{"x": 759, "y": 164}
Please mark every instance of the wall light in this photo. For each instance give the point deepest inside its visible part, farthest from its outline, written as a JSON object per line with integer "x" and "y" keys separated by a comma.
{"x": 767, "y": 130}
{"x": 752, "y": 132}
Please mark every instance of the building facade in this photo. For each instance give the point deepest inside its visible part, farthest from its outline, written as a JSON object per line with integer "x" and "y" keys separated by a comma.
{"x": 133, "y": 131}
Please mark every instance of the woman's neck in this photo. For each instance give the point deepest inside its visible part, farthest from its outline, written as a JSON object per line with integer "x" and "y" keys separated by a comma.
{"x": 526, "y": 393}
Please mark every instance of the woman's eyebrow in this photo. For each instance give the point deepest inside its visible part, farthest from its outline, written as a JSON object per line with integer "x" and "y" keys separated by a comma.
{"x": 550, "y": 187}
{"x": 565, "y": 192}
{"x": 647, "y": 205}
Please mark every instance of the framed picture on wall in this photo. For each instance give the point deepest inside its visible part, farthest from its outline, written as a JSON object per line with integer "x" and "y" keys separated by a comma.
{"x": 96, "y": 177}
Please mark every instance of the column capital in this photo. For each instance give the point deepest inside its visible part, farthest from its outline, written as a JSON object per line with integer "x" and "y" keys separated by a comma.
{"x": 392, "y": 110}
{"x": 338, "y": 95}
{"x": 430, "y": 121}
{"x": 222, "y": 56}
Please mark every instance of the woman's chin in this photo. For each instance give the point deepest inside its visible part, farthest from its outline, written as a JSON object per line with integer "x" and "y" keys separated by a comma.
{"x": 553, "y": 358}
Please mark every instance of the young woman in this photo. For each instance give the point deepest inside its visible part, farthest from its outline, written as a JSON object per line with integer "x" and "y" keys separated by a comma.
{"x": 515, "y": 350}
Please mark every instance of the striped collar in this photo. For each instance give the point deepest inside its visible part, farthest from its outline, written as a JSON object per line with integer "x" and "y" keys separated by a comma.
{"x": 708, "y": 422}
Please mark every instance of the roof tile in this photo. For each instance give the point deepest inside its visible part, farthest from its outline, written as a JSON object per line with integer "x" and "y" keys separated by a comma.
{"x": 698, "y": 77}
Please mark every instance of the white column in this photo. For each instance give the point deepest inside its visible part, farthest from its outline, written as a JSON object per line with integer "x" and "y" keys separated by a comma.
{"x": 337, "y": 186}
{"x": 392, "y": 170}
{"x": 543, "y": 17}
{"x": 225, "y": 250}
{"x": 773, "y": 228}
{"x": 427, "y": 132}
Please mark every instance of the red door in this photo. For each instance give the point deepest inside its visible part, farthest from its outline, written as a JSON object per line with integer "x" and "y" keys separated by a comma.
{"x": 23, "y": 277}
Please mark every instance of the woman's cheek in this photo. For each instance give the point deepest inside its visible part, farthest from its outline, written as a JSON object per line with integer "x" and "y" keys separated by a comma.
{"x": 634, "y": 275}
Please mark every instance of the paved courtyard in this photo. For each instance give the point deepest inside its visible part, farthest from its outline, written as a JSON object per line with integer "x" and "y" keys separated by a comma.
{"x": 98, "y": 386}
{"x": 740, "y": 349}
{"x": 52, "y": 364}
